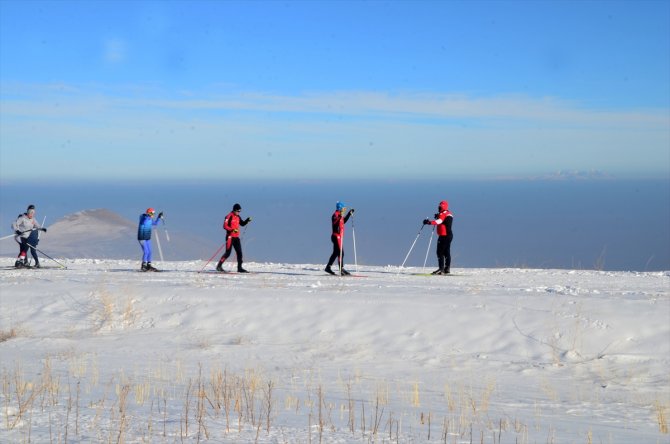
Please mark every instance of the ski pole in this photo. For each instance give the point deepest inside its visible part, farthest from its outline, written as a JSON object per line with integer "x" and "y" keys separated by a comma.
{"x": 14, "y": 235}
{"x": 46, "y": 255}
{"x": 158, "y": 243}
{"x": 158, "y": 238}
{"x": 341, "y": 258}
{"x": 213, "y": 256}
{"x": 429, "y": 242}
{"x": 43, "y": 221}
{"x": 244, "y": 231}
{"x": 412, "y": 247}
{"x": 353, "y": 236}
{"x": 167, "y": 235}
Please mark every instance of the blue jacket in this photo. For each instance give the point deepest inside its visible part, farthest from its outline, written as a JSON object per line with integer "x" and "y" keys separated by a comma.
{"x": 146, "y": 224}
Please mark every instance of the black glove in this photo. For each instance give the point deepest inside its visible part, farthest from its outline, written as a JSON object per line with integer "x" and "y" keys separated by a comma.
{"x": 248, "y": 220}
{"x": 426, "y": 221}
{"x": 18, "y": 233}
{"x": 437, "y": 215}
{"x": 351, "y": 211}
{"x": 160, "y": 215}
{"x": 43, "y": 229}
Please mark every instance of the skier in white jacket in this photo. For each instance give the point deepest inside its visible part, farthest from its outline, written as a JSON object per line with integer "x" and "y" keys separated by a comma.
{"x": 26, "y": 229}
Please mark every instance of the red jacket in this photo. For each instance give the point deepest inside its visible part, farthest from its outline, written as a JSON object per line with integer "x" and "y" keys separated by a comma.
{"x": 443, "y": 225}
{"x": 232, "y": 224}
{"x": 338, "y": 222}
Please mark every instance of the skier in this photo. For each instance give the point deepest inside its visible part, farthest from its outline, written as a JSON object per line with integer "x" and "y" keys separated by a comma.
{"x": 443, "y": 220}
{"x": 338, "y": 220}
{"x": 27, "y": 231}
{"x": 147, "y": 222}
{"x": 232, "y": 224}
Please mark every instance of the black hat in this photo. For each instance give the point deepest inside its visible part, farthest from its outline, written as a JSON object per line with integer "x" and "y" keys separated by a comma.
{"x": 30, "y": 207}
{"x": 237, "y": 207}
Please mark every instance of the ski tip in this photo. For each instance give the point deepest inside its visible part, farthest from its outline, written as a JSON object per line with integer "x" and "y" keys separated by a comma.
{"x": 346, "y": 275}
{"x": 437, "y": 275}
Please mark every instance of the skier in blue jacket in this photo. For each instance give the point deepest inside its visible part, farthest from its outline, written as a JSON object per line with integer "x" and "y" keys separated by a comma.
{"x": 147, "y": 222}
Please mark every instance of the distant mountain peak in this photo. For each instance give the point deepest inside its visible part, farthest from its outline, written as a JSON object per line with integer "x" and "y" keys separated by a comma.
{"x": 101, "y": 215}
{"x": 578, "y": 175}
{"x": 566, "y": 175}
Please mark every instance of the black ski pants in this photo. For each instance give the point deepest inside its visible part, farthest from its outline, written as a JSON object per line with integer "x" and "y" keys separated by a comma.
{"x": 233, "y": 242}
{"x": 444, "y": 251}
{"x": 29, "y": 243}
{"x": 336, "y": 250}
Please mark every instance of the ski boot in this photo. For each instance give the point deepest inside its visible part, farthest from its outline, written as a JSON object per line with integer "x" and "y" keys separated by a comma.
{"x": 438, "y": 272}
{"x": 344, "y": 272}
{"x": 151, "y": 267}
{"x": 241, "y": 270}
{"x": 219, "y": 267}
{"x": 329, "y": 270}
{"x": 19, "y": 264}
{"x": 144, "y": 267}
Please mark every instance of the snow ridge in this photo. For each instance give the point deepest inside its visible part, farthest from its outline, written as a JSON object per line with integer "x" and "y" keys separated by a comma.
{"x": 525, "y": 355}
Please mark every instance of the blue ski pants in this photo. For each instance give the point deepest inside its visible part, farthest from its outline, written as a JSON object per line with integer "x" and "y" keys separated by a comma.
{"x": 146, "y": 250}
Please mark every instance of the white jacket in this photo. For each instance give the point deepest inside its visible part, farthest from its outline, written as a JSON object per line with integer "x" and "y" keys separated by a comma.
{"x": 25, "y": 225}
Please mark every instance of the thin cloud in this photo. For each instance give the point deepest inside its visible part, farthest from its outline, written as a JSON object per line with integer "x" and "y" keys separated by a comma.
{"x": 312, "y": 132}
{"x": 114, "y": 50}
{"x": 493, "y": 111}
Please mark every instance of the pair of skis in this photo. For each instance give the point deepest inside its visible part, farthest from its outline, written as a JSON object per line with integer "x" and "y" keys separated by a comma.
{"x": 45, "y": 255}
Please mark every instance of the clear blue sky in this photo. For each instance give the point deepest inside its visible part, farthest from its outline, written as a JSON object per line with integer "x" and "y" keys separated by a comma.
{"x": 333, "y": 89}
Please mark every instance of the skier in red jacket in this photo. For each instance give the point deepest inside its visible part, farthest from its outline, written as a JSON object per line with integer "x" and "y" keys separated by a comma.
{"x": 232, "y": 224}
{"x": 443, "y": 220}
{"x": 338, "y": 220}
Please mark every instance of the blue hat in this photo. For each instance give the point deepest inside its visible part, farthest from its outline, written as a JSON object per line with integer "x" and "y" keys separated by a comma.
{"x": 339, "y": 206}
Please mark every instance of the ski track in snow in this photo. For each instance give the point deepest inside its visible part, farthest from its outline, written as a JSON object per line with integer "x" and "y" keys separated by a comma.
{"x": 528, "y": 355}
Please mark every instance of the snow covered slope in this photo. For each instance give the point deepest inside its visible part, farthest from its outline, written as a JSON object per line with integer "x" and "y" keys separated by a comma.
{"x": 100, "y": 352}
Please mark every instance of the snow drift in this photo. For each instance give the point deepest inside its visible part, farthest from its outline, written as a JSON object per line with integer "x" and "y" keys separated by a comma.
{"x": 101, "y": 352}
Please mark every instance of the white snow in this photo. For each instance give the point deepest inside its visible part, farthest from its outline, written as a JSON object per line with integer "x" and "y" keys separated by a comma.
{"x": 102, "y": 353}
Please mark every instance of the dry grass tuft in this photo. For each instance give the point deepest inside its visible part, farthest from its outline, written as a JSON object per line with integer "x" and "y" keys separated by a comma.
{"x": 661, "y": 417}
{"x": 6, "y": 335}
